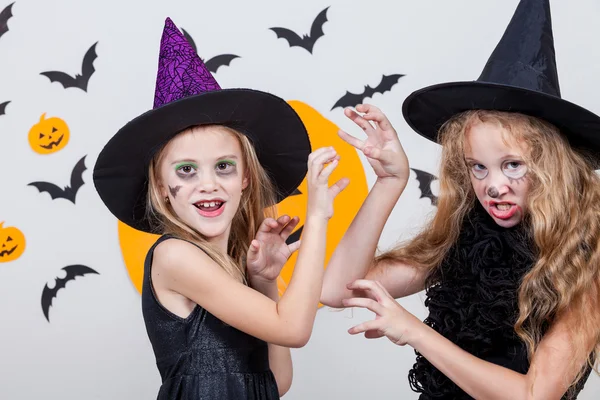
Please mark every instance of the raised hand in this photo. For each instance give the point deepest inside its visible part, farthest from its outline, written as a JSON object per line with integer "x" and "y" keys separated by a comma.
{"x": 320, "y": 195}
{"x": 382, "y": 146}
{"x": 268, "y": 251}
{"x": 391, "y": 320}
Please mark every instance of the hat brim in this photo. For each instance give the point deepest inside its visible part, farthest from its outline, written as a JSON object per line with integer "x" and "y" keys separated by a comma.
{"x": 275, "y": 129}
{"x": 427, "y": 109}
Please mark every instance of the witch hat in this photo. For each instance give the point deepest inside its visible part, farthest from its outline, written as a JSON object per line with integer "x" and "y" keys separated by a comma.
{"x": 186, "y": 95}
{"x": 520, "y": 76}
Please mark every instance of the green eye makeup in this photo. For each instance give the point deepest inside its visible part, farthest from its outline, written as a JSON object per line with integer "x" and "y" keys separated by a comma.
{"x": 185, "y": 164}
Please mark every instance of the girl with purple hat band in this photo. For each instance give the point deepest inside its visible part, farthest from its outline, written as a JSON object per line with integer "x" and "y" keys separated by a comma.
{"x": 511, "y": 260}
{"x": 200, "y": 169}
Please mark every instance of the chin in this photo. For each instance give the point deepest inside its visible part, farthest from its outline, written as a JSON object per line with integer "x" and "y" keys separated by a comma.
{"x": 507, "y": 223}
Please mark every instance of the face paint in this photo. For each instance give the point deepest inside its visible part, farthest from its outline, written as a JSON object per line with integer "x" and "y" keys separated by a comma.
{"x": 226, "y": 167}
{"x": 493, "y": 192}
{"x": 174, "y": 190}
{"x": 498, "y": 172}
{"x": 186, "y": 170}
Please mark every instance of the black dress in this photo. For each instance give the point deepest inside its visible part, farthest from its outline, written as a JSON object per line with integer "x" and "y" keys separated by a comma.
{"x": 472, "y": 301}
{"x": 202, "y": 358}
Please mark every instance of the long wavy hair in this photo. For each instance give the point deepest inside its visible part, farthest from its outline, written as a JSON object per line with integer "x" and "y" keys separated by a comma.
{"x": 563, "y": 216}
{"x": 257, "y": 202}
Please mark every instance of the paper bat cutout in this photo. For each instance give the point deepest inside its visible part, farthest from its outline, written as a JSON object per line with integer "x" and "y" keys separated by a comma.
{"x": 48, "y": 294}
{"x": 218, "y": 61}
{"x": 79, "y": 81}
{"x": 425, "y": 179}
{"x": 214, "y": 63}
{"x": 3, "y": 107}
{"x": 69, "y": 192}
{"x": 5, "y": 15}
{"x": 306, "y": 42}
{"x": 295, "y": 236}
{"x": 351, "y": 99}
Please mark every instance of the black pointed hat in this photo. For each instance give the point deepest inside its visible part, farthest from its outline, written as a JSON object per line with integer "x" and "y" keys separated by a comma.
{"x": 520, "y": 76}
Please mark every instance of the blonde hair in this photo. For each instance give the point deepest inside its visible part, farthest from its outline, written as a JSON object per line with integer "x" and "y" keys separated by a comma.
{"x": 563, "y": 215}
{"x": 257, "y": 202}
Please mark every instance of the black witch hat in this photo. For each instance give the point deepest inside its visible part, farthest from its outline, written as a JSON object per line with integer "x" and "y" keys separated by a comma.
{"x": 520, "y": 76}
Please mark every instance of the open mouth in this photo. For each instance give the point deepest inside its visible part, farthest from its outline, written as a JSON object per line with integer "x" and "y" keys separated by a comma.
{"x": 7, "y": 252}
{"x": 503, "y": 210}
{"x": 210, "y": 208}
{"x": 53, "y": 144}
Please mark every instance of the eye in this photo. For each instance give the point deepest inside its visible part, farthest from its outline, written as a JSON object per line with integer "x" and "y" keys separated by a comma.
{"x": 185, "y": 169}
{"x": 479, "y": 171}
{"x": 9, "y": 239}
{"x": 514, "y": 169}
{"x": 225, "y": 166}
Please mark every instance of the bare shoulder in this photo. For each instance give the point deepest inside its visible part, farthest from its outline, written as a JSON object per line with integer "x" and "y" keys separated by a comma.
{"x": 177, "y": 259}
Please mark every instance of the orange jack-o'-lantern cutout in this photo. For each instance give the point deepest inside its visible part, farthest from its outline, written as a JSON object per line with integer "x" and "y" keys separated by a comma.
{"x": 48, "y": 135}
{"x": 12, "y": 243}
{"x": 322, "y": 132}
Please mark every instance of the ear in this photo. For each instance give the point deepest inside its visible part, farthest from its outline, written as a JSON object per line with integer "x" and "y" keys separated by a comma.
{"x": 162, "y": 189}
{"x": 245, "y": 182}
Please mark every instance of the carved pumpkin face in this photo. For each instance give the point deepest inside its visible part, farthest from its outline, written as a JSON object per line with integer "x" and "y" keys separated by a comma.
{"x": 48, "y": 135}
{"x": 322, "y": 132}
{"x": 12, "y": 243}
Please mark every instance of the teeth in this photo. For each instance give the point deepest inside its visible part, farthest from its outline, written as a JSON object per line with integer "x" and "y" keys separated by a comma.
{"x": 503, "y": 206}
{"x": 207, "y": 204}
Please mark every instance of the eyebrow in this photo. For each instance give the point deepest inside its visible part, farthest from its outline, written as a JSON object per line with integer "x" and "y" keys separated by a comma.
{"x": 507, "y": 156}
{"x": 191, "y": 160}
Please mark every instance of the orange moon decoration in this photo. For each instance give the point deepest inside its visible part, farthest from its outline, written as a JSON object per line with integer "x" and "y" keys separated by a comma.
{"x": 322, "y": 132}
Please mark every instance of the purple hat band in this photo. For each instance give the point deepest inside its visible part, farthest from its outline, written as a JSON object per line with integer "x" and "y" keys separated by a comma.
{"x": 181, "y": 72}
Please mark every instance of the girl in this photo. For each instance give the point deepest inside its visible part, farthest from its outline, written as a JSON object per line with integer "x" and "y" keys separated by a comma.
{"x": 201, "y": 168}
{"x": 510, "y": 261}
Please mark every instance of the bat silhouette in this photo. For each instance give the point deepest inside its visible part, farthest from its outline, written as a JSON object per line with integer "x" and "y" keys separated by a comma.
{"x": 295, "y": 236}
{"x": 425, "y": 179}
{"x": 3, "y": 107}
{"x": 351, "y": 99}
{"x": 48, "y": 294}
{"x": 5, "y": 15}
{"x": 307, "y": 42}
{"x": 69, "y": 192}
{"x": 79, "y": 81}
{"x": 214, "y": 63}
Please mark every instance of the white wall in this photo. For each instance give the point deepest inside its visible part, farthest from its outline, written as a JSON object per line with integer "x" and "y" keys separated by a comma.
{"x": 95, "y": 345}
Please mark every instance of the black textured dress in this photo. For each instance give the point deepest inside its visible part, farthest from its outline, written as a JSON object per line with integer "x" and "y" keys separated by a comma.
{"x": 472, "y": 301}
{"x": 202, "y": 358}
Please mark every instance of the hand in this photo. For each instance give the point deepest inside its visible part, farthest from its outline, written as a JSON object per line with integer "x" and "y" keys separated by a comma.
{"x": 268, "y": 251}
{"x": 320, "y": 195}
{"x": 391, "y": 320}
{"x": 382, "y": 146}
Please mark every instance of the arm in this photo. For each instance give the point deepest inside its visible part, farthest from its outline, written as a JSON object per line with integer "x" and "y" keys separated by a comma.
{"x": 353, "y": 257}
{"x": 548, "y": 377}
{"x": 280, "y": 359}
{"x": 185, "y": 269}
{"x": 181, "y": 267}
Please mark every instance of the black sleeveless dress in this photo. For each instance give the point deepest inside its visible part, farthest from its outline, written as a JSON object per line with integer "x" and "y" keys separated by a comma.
{"x": 202, "y": 358}
{"x": 472, "y": 301}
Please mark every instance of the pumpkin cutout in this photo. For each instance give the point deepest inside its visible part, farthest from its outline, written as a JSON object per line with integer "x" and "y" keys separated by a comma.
{"x": 12, "y": 243}
{"x": 322, "y": 132}
{"x": 49, "y": 135}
